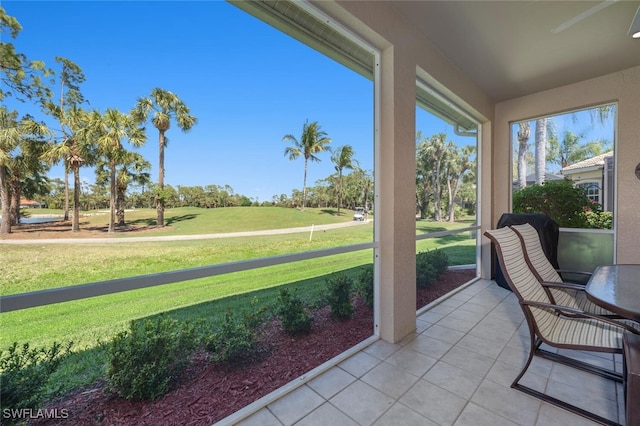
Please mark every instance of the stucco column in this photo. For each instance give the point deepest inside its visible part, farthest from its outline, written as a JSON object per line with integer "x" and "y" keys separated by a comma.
{"x": 395, "y": 204}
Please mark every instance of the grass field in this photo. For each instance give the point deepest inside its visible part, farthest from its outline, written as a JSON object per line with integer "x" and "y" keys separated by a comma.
{"x": 30, "y": 267}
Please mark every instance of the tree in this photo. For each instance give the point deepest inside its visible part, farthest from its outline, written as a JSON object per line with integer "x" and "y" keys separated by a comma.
{"x": 133, "y": 168}
{"x": 76, "y": 149}
{"x": 541, "y": 147}
{"x": 569, "y": 151}
{"x": 343, "y": 159}
{"x": 13, "y": 133}
{"x": 111, "y": 128}
{"x": 19, "y": 77}
{"x": 458, "y": 164}
{"x": 313, "y": 141}
{"x": 432, "y": 153}
{"x": 166, "y": 106}
{"x": 524, "y": 131}
{"x": 70, "y": 78}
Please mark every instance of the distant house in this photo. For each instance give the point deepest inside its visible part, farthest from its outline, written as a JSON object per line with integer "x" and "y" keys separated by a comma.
{"x": 30, "y": 204}
{"x": 531, "y": 179}
{"x": 595, "y": 176}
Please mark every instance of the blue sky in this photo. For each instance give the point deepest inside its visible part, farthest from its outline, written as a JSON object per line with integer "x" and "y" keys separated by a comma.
{"x": 247, "y": 83}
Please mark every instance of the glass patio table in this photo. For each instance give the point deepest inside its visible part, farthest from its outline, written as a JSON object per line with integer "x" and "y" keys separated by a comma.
{"x": 616, "y": 288}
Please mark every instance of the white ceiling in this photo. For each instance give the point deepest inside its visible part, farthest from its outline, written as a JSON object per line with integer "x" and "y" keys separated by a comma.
{"x": 514, "y": 48}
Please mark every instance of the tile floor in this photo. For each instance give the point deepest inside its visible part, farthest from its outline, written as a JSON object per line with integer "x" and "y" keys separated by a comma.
{"x": 455, "y": 369}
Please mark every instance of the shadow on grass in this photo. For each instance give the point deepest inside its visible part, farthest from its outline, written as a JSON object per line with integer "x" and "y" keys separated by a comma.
{"x": 333, "y": 212}
{"x": 312, "y": 291}
{"x": 168, "y": 221}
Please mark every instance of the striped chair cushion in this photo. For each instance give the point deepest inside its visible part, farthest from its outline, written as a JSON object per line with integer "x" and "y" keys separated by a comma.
{"x": 533, "y": 248}
{"x": 546, "y": 272}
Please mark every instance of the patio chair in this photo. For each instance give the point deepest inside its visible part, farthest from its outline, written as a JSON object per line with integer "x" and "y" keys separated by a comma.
{"x": 562, "y": 293}
{"x": 558, "y": 326}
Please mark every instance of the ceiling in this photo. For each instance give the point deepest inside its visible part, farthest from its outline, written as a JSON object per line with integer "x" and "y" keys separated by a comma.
{"x": 514, "y": 48}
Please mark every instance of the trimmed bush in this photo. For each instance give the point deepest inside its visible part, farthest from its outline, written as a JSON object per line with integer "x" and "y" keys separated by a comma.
{"x": 144, "y": 359}
{"x": 292, "y": 313}
{"x": 24, "y": 372}
{"x": 560, "y": 200}
{"x": 430, "y": 265}
{"x": 364, "y": 285}
{"x": 339, "y": 296}
{"x": 236, "y": 340}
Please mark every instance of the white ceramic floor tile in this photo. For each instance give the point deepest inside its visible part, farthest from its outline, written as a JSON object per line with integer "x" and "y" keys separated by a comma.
{"x": 473, "y": 415}
{"x": 506, "y": 402}
{"x": 263, "y": 417}
{"x": 326, "y": 415}
{"x": 362, "y": 402}
{"x": 444, "y": 334}
{"x": 391, "y": 380}
{"x": 429, "y": 346}
{"x": 359, "y": 364}
{"x": 413, "y": 362}
{"x": 295, "y": 405}
{"x": 331, "y": 382}
{"x": 381, "y": 349}
{"x": 401, "y": 415}
{"x": 453, "y": 379}
{"x": 433, "y": 402}
{"x": 472, "y": 362}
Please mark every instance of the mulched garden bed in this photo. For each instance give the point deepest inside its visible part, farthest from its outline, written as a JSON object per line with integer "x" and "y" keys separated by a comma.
{"x": 207, "y": 392}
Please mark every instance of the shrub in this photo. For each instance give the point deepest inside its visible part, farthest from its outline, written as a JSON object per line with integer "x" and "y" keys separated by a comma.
{"x": 25, "y": 372}
{"x": 599, "y": 220}
{"x": 144, "y": 359}
{"x": 559, "y": 200}
{"x": 364, "y": 285}
{"x": 236, "y": 340}
{"x": 292, "y": 313}
{"x": 430, "y": 265}
{"x": 339, "y": 295}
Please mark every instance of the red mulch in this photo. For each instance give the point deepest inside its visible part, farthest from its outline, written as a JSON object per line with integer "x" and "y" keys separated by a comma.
{"x": 208, "y": 392}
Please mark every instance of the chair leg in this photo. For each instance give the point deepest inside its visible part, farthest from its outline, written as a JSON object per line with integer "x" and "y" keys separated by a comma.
{"x": 580, "y": 365}
{"x": 535, "y": 350}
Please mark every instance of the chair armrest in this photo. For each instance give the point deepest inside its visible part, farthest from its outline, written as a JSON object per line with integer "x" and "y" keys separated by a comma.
{"x": 573, "y": 311}
{"x": 571, "y": 286}
{"x": 569, "y": 271}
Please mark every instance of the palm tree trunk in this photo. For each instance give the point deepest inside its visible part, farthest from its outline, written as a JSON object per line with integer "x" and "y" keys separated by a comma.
{"x": 541, "y": 147}
{"x": 75, "y": 224}
{"x": 304, "y": 185}
{"x": 160, "y": 194}
{"x": 112, "y": 197}
{"x": 66, "y": 193}
{"x": 5, "y": 225}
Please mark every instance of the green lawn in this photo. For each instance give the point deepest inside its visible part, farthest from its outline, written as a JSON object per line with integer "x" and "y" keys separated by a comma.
{"x": 27, "y": 267}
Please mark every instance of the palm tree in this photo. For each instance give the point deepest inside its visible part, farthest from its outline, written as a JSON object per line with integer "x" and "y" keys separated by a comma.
{"x": 13, "y": 133}
{"x": 524, "y": 132}
{"x": 75, "y": 149}
{"x": 343, "y": 159}
{"x": 112, "y": 128}
{"x": 71, "y": 77}
{"x": 313, "y": 141}
{"x": 569, "y": 151}
{"x": 133, "y": 168}
{"x": 541, "y": 148}
{"x": 165, "y": 106}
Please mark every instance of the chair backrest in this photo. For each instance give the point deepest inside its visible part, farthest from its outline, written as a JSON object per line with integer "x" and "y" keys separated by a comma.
{"x": 542, "y": 268}
{"x": 519, "y": 276}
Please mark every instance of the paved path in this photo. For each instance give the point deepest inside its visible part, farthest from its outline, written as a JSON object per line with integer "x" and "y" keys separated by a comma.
{"x": 114, "y": 239}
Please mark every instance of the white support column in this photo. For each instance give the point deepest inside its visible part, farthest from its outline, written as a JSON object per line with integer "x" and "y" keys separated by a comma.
{"x": 395, "y": 205}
